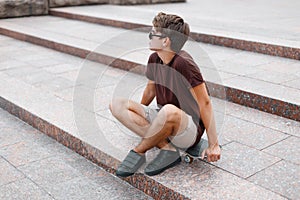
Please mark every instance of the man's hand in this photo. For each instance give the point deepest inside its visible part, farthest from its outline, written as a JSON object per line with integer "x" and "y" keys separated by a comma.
{"x": 213, "y": 153}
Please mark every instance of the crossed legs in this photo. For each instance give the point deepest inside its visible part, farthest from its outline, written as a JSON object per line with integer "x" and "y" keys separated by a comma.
{"x": 170, "y": 120}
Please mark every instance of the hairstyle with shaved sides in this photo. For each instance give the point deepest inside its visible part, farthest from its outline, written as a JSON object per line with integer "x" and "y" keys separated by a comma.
{"x": 173, "y": 27}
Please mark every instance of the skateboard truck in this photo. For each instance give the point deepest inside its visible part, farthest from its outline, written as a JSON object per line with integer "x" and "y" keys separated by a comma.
{"x": 195, "y": 152}
{"x": 190, "y": 159}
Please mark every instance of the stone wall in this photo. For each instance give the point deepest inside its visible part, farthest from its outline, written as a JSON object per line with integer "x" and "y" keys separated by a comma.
{"x": 17, "y": 8}
{"x": 134, "y": 2}
{"x": 129, "y": 2}
{"x": 61, "y": 3}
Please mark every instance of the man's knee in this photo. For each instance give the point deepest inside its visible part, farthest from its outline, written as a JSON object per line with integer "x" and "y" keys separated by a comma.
{"x": 116, "y": 105}
{"x": 172, "y": 113}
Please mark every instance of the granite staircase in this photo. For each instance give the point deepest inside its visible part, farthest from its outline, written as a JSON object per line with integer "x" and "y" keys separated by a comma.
{"x": 59, "y": 73}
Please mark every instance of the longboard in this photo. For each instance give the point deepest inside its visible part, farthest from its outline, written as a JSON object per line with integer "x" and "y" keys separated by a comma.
{"x": 195, "y": 153}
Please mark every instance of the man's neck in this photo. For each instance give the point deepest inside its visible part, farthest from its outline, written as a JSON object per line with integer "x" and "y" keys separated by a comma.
{"x": 166, "y": 56}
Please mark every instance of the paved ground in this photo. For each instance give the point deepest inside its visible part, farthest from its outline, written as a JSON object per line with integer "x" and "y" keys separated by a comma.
{"x": 269, "y": 76}
{"x": 260, "y": 155}
{"x": 34, "y": 166}
{"x": 266, "y": 21}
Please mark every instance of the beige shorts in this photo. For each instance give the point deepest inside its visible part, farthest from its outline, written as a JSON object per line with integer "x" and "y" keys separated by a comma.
{"x": 184, "y": 139}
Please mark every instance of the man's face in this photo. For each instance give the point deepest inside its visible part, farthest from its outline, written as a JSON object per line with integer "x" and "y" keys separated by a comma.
{"x": 156, "y": 40}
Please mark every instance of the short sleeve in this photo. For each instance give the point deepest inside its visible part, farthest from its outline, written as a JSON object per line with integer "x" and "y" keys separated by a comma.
{"x": 192, "y": 74}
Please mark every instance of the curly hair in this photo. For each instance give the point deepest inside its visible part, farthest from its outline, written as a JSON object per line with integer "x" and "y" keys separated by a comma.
{"x": 173, "y": 27}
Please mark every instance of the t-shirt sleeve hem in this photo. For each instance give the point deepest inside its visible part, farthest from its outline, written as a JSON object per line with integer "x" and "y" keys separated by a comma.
{"x": 195, "y": 84}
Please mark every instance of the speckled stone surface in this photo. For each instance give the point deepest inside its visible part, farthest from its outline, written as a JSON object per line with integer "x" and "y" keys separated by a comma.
{"x": 274, "y": 122}
{"x": 90, "y": 130}
{"x": 8, "y": 173}
{"x": 63, "y": 3}
{"x": 251, "y": 134}
{"x": 63, "y": 174}
{"x": 283, "y": 177}
{"x": 250, "y": 33}
{"x": 241, "y": 90}
{"x": 254, "y": 100}
{"x": 158, "y": 185}
{"x": 213, "y": 183}
{"x": 23, "y": 189}
{"x": 237, "y": 159}
{"x": 287, "y": 149}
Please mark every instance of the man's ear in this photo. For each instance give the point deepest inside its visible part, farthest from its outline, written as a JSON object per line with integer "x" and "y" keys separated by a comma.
{"x": 166, "y": 41}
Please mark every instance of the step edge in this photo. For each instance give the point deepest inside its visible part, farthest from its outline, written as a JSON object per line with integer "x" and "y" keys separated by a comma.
{"x": 219, "y": 40}
{"x": 241, "y": 97}
{"x": 140, "y": 181}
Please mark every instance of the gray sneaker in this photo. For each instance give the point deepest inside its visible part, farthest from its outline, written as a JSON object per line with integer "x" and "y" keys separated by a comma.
{"x": 130, "y": 164}
{"x": 164, "y": 160}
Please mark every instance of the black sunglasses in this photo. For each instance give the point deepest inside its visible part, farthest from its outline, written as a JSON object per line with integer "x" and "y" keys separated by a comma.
{"x": 160, "y": 36}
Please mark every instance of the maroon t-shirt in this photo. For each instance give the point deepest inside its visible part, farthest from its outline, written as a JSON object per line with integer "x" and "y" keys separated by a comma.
{"x": 173, "y": 83}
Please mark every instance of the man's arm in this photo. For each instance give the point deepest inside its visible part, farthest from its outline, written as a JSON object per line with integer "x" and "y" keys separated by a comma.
{"x": 213, "y": 151}
{"x": 149, "y": 93}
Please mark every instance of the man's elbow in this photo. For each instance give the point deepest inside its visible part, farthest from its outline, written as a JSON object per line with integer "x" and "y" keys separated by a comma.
{"x": 149, "y": 94}
{"x": 206, "y": 104}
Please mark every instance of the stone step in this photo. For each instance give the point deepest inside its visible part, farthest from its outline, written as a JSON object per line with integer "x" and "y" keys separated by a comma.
{"x": 67, "y": 98}
{"x": 34, "y": 166}
{"x": 22, "y": 8}
{"x": 63, "y": 3}
{"x": 261, "y": 36}
{"x": 267, "y": 83}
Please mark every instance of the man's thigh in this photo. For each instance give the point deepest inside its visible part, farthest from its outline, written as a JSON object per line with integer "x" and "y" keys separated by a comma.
{"x": 185, "y": 133}
{"x": 187, "y": 137}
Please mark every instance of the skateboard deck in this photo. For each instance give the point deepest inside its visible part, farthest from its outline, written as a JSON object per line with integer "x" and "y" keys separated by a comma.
{"x": 195, "y": 153}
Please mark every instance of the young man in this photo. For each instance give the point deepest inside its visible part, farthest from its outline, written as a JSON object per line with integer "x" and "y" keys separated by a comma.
{"x": 184, "y": 107}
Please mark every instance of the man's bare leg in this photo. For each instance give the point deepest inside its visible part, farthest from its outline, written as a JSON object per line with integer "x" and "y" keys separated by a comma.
{"x": 169, "y": 121}
{"x": 132, "y": 115}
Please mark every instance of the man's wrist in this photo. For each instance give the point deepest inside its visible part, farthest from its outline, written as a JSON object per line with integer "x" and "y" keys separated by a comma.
{"x": 214, "y": 144}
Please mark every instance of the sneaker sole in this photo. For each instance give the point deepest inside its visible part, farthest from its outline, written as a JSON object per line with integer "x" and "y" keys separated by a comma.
{"x": 153, "y": 173}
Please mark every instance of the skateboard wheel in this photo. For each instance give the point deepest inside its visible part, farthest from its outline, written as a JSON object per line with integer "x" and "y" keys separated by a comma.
{"x": 188, "y": 159}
